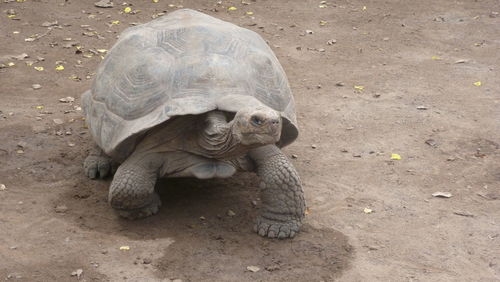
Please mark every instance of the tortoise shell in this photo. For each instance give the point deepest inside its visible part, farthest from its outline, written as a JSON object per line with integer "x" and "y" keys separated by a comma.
{"x": 184, "y": 63}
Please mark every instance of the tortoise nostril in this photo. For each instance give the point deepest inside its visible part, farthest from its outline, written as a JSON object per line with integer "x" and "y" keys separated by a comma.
{"x": 275, "y": 121}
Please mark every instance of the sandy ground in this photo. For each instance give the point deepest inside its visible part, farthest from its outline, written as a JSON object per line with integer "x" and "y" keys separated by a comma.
{"x": 396, "y": 74}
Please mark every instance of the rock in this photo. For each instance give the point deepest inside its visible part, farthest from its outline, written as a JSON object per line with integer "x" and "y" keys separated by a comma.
{"x": 230, "y": 213}
{"x": 67, "y": 100}
{"x": 36, "y": 86}
{"x": 463, "y": 213}
{"x": 147, "y": 261}
{"x": 385, "y": 38}
{"x": 20, "y": 57}
{"x": 308, "y": 31}
{"x": 340, "y": 84}
{"x": 3, "y": 187}
{"x": 422, "y": 108}
{"x": 61, "y": 209}
{"x": 294, "y": 156}
{"x": 331, "y": 42}
{"x": 431, "y": 142}
{"x": 461, "y": 61}
{"x": 314, "y": 146}
{"x": 48, "y": 24}
{"x": 77, "y": 273}
{"x": 58, "y": 121}
{"x": 442, "y": 194}
{"x": 273, "y": 267}
{"x": 253, "y": 268}
{"x": 104, "y": 4}
{"x": 22, "y": 144}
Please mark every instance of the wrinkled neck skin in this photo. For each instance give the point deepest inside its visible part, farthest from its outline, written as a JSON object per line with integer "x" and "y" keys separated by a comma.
{"x": 219, "y": 139}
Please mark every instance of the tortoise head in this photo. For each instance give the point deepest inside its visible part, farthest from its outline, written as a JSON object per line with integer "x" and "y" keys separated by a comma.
{"x": 257, "y": 126}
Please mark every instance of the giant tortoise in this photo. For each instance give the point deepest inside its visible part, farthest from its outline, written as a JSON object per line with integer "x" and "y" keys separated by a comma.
{"x": 189, "y": 95}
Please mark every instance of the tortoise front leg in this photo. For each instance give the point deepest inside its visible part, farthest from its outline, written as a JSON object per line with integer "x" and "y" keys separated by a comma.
{"x": 282, "y": 195}
{"x": 132, "y": 192}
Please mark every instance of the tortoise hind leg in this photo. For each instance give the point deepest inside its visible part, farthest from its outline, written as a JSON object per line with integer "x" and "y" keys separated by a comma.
{"x": 132, "y": 193}
{"x": 97, "y": 164}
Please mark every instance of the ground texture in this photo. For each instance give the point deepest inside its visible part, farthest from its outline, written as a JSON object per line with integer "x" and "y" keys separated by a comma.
{"x": 371, "y": 78}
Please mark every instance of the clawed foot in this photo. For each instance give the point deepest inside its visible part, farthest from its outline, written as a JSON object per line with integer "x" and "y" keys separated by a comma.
{"x": 152, "y": 208}
{"x": 276, "y": 229}
{"x": 97, "y": 166}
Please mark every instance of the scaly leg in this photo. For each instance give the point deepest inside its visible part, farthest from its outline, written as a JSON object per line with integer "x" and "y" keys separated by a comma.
{"x": 282, "y": 195}
{"x": 132, "y": 192}
{"x": 97, "y": 164}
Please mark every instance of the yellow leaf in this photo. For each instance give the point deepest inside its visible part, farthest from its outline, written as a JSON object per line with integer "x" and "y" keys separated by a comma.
{"x": 20, "y": 1}
{"x": 367, "y": 210}
{"x": 127, "y": 10}
{"x": 124, "y": 248}
{"x": 102, "y": 51}
{"x": 232, "y": 8}
{"x": 307, "y": 211}
{"x": 323, "y": 22}
{"x": 395, "y": 157}
{"x": 29, "y": 63}
{"x": 11, "y": 16}
{"x": 39, "y": 68}
{"x": 15, "y": 32}
{"x": 11, "y": 64}
{"x": 436, "y": 58}
{"x": 59, "y": 68}
{"x": 249, "y": 13}
{"x": 364, "y": 8}
{"x": 359, "y": 87}
{"x": 115, "y": 22}
{"x": 322, "y": 6}
{"x": 156, "y": 1}
{"x": 39, "y": 107}
{"x": 477, "y": 83}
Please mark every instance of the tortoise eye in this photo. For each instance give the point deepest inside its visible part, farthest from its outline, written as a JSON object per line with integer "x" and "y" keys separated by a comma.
{"x": 256, "y": 120}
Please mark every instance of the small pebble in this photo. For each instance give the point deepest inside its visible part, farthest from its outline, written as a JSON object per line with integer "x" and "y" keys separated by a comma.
{"x": 253, "y": 268}
{"x": 147, "y": 261}
{"x": 230, "y": 213}
{"x": 61, "y": 209}
{"x": 58, "y": 121}
{"x": 442, "y": 194}
{"x": 294, "y": 156}
{"x": 3, "y": 187}
{"x": 36, "y": 86}
{"x": 314, "y": 146}
{"x": 340, "y": 83}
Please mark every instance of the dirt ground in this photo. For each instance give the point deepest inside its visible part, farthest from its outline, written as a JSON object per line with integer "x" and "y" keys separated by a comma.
{"x": 396, "y": 74}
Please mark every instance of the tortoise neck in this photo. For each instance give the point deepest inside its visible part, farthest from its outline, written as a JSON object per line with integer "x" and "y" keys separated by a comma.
{"x": 218, "y": 138}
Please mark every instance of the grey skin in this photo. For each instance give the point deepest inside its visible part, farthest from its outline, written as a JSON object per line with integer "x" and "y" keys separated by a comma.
{"x": 207, "y": 146}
